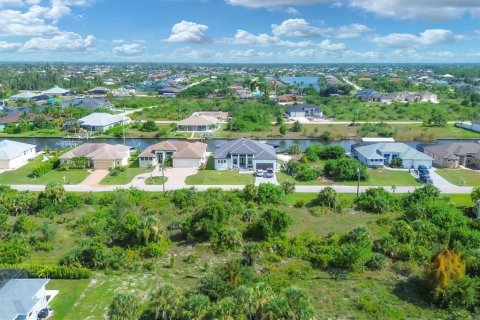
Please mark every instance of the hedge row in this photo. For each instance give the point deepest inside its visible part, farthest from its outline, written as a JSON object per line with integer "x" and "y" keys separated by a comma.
{"x": 51, "y": 271}
{"x": 44, "y": 167}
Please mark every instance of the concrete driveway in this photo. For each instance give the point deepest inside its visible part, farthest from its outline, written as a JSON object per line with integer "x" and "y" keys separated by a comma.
{"x": 95, "y": 177}
{"x": 264, "y": 179}
{"x": 439, "y": 181}
{"x": 176, "y": 177}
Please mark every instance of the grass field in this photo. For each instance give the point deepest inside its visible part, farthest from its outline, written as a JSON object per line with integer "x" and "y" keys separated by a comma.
{"x": 461, "y": 177}
{"x": 20, "y": 176}
{"x": 156, "y": 180}
{"x": 126, "y": 176}
{"x": 69, "y": 294}
{"x": 217, "y": 177}
{"x": 386, "y": 178}
{"x": 377, "y": 177}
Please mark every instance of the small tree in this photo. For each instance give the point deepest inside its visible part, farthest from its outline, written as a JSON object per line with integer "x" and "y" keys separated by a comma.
{"x": 282, "y": 129}
{"x": 445, "y": 267}
{"x": 475, "y": 194}
{"x": 327, "y": 198}
{"x": 297, "y": 126}
{"x": 125, "y": 306}
{"x": 55, "y": 191}
{"x": 251, "y": 251}
{"x": 288, "y": 186}
{"x": 273, "y": 222}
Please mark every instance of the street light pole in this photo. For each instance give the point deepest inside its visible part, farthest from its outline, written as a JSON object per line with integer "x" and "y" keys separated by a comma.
{"x": 358, "y": 181}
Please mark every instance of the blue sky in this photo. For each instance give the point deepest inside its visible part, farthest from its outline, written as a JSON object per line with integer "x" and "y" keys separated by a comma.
{"x": 314, "y": 31}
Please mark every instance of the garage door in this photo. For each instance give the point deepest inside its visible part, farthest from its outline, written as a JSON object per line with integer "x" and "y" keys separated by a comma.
{"x": 264, "y": 166}
{"x": 186, "y": 163}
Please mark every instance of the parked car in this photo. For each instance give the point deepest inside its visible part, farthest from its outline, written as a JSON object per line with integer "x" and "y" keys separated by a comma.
{"x": 43, "y": 314}
{"x": 259, "y": 173}
{"x": 423, "y": 169}
{"x": 270, "y": 173}
{"x": 425, "y": 178}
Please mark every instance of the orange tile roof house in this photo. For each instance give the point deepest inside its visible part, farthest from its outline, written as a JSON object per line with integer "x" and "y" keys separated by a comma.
{"x": 99, "y": 155}
{"x": 184, "y": 154}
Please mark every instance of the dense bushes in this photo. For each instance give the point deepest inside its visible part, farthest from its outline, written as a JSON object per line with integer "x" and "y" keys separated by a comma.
{"x": 51, "y": 271}
{"x": 316, "y": 152}
{"x": 376, "y": 200}
{"x": 44, "y": 167}
{"x": 345, "y": 169}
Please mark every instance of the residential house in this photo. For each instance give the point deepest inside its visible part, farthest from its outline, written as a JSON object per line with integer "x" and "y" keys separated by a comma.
{"x": 288, "y": 99}
{"x": 99, "y": 155}
{"x": 101, "y": 122}
{"x": 470, "y": 125}
{"x": 379, "y": 154}
{"x": 56, "y": 91}
{"x": 99, "y": 91}
{"x": 12, "y": 118}
{"x": 29, "y": 96}
{"x": 422, "y": 97}
{"x": 244, "y": 154}
{"x": 123, "y": 92}
{"x": 452, "y": 155}
{"x": 183, "y": 154}
{"x": 23, "y": 299}
{"x": 169, "y": 92}
{"x": 88, "y": 103}
{"x": 198, "y": 123}
{"x": 368, "y": 95}
{"x": 304, "y": 110}
{"x": 15, "y": 154}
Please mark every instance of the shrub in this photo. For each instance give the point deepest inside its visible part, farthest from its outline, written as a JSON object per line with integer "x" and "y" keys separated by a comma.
{"x": 376, "y": 200}
{"x": 269, "y": 193}
{"x": 345, "y": 169}
{"x": 327, "y": 198}
{"x": 149, "y": 126}
{"x": 52, "y": 271}
{"x": 377, "y": 262}
{"x": 44, "y": 167}
{"x": 273, "y": 222}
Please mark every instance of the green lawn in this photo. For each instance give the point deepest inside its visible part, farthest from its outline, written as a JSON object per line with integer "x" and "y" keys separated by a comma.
{"x": 217, "y": 177}
{"x": 156, "y": 180}
{"x": 126, "y": 176}
{"x": 378, "y": 177}
{"x": 461, "y": 177}
{"x": 20, "y": 176}
{"x": 68, "y": 295}
{"x": 386, "y": 178}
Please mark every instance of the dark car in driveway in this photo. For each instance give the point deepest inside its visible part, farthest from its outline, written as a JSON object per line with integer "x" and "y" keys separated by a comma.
{"x": 270, "y": 173}
{"x": 423, "y": 169}
{"x": 425, "y": 178}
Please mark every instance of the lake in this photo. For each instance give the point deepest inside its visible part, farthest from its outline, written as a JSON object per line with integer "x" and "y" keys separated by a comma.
{"x": 302, "y": 82}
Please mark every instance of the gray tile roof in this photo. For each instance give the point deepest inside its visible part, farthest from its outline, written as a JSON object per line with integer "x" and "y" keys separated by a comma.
{"x": 261, "y": 151}
{"x": 303, "y": 107}
{"x": 454, "y": 150}
{"x": 12, "y": 149}
{"x": 17, "y": 297}
{"x": 404, "y": 151}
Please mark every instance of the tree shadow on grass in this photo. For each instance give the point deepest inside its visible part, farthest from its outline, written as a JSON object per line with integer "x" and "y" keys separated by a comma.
{"x": 413, "y": 290}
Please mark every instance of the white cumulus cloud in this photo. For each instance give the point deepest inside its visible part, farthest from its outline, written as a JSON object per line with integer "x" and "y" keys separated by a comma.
{"x": 297, "y": 28}
{"x": 187, "y": 31}
{"x": 9, "y": 46}
{"x": 129, "y": 49}
{"x": 67, "y": 41}
{"x": 428, "y": 37}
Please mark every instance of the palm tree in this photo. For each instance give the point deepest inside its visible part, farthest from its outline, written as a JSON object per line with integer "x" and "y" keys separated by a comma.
{"x": 251, "y": 251}
{"x": 327, "y": 197}
{"x": 288, "y": 186}
{"x": 125, "y": 306}
{"x": 245, "y": 298}
{"x": 166, "y": 302}
{"x": 300, "y": 307}
{"x": 195, "y": 307}
{"x": 475, "y": 195}
{"x": 150, "y": 230}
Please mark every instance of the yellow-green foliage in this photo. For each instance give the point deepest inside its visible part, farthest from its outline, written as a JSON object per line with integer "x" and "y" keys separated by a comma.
{"x": 445, "y": 267}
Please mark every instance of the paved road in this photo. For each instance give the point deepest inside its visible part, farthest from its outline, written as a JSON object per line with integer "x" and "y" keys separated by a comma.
{"x": 173, "y": 186}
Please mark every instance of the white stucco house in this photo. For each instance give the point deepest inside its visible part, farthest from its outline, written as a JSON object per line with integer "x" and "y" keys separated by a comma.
{"x": 380, "y": 154}
{"x": 15, "y": 154}
{"x": 101, "y": 122}
{"x": 99, "y": 155}
{"x": 304, "y": 110}
{"x": 23, "y": 299}
{"x": 183, "y": 154}
{"x": 244, "y": 154}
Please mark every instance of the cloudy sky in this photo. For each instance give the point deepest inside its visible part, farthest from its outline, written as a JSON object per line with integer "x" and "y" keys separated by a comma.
{"x": 313, "y": 31}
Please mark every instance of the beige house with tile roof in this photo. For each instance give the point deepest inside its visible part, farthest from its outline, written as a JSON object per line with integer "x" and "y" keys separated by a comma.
{"x": 198, "y": 123}
{"x": 184, "y": 154}
{"x": 99, "y": 155}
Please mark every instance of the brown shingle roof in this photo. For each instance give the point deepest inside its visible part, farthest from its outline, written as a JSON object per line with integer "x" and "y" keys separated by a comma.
{"x": 198, "y": 121}
{"x": 181, "y": 149}
{"x": 98, "y": 151}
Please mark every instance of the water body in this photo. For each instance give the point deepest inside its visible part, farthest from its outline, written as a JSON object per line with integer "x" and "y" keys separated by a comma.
{"x": 302, "y": 82}
{"x": 142, "y": 143}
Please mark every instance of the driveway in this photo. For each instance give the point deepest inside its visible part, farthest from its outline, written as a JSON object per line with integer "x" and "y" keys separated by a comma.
{"x": 94, "y": 178}
{"x": 439, "y": 181}
{"x": 259, "y": 180}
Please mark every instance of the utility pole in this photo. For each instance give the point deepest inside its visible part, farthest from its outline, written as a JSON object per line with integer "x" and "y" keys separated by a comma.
{"x": 358, "y": 181}
{"x": 123, "y": 124}
{"x": 163, "y": 175}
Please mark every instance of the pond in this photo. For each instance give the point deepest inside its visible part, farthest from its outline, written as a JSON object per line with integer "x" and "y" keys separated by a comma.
{"x": 302, "y": 82}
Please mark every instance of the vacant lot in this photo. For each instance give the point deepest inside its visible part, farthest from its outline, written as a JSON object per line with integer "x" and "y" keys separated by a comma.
{"x": 20, "y": 176}
{"x": 125, "y": 177}
{"x": 461, "y": 177}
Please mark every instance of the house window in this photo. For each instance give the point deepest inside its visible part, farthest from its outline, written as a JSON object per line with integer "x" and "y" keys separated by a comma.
{"x": 235, "y": 161}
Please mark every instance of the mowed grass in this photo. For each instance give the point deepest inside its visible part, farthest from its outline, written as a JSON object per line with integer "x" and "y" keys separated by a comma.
{"x": 217, "y": 177}
{"x": 386, "y": 178}
{"x": 461, "y": 177}
{"x": 155, "y": 180}
{"x": 69, "y": 292}
{"x": 377, "y": 177}
{"x": 20, "y": 176}
{"x": 126, "y": 176}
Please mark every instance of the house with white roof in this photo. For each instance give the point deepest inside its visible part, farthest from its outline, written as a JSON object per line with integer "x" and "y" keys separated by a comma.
{"x": 198, "y": 123}
{"x": 56, "y": 91}
{"x": 243, "y": 154}
{"x": 15, "y": 154}
{"x": 380, "y": 154}
{"x": 23, "y": 299}
{"x": 101, "y": 122}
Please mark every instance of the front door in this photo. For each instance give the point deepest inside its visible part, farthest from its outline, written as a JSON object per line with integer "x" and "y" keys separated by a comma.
{"x": 242, "y": 161}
